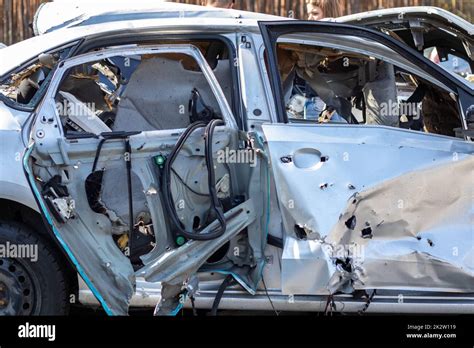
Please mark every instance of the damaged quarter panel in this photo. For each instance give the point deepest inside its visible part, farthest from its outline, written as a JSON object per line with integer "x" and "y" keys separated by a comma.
{"x": 373, "y": 207}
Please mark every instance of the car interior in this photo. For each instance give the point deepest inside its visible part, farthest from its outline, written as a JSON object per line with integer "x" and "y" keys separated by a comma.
{"x": 145, "y": 93}
{"x": 330, "y": 85}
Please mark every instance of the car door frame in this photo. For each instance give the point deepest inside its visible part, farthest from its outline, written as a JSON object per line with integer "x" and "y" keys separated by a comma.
{"x": 271, "y": 31}
{"x": 56, "y": 134}
{"x": 282, "y": 140}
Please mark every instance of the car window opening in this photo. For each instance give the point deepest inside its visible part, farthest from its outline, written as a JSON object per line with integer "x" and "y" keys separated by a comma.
{"x": 328, "y": 85}
{"x": 139, "y": 93}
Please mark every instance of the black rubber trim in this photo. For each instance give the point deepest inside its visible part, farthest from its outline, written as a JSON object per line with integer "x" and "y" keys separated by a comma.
{"x": 275, "y": 241}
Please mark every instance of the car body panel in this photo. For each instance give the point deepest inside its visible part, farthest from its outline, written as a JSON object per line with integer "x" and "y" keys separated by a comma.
{"x": 326, "y": 173}
{"x": 272, "y": 31}
{"x": 13, "y": 181}
{"x": 14, "y": 187}
{"x": 387, "y": 182}
{"x": 237, "y": 299}
{"x": 428, "y": 13}
{"x": 19, "y": 54}
{"x": 423, "y": 28}
{"x": 66, "y": 14}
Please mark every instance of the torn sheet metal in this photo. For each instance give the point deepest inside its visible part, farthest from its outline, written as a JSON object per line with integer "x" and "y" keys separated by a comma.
{"x": 191, "y": 256}
{"x": 417, "y": 230}
{"x": 396, "y": 212}
{"x": 174, "y": 268}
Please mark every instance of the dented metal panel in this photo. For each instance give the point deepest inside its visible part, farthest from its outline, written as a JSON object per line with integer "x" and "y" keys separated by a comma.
{"x": 177, "y": 265}
{"x": 373, "y": 207}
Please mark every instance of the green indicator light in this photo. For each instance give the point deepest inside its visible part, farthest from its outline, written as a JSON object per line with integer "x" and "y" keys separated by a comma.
{"x": 180, "y": 240}
{"x": 160, "y": 160}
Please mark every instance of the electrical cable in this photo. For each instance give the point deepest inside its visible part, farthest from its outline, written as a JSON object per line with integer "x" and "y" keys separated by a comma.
{"x": 269, "y": 298}
{"x": 128, "y": 161}
{"x": 187, "y": 186}
{"x": 330, "y": 305}
{"x": 229, "y": 280}
{"x": 193, "y": 305}
{"x": 97, "y": 154}
{"x": 368, "y": 302}
{"x": 216, "y": 204}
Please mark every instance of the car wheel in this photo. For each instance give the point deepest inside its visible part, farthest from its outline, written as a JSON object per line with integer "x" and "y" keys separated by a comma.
{"x": 32, "y": 278}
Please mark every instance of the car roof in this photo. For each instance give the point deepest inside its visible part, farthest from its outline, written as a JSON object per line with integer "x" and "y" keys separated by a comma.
{"x": 20, "y": 53}
{"x": 66, "y": 13}
{"x": 426, "y": 12}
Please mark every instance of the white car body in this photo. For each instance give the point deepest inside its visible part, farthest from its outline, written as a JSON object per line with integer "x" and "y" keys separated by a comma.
{"x": 287, "y": 272}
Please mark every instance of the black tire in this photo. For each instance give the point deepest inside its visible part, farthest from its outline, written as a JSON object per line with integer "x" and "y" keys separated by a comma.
{"x": 29, "y": 287}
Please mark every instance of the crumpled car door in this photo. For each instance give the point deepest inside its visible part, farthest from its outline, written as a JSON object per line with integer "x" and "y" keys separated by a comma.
{"x": 70, "y": 165}
{"x": 425, "y": 28}
{"x": 369, "y": 207}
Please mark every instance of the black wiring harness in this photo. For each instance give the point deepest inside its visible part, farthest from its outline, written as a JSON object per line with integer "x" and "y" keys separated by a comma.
{"x": 215, "y": 202}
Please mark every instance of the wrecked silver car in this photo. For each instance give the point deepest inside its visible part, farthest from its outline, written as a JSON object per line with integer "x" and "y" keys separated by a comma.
{"x": 222, "y": 159}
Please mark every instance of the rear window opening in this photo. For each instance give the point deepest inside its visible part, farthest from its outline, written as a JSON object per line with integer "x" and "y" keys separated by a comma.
{"x": 140, "y": 93}
{"x": 451, "y": 61}
{"x": 22, "y": 86}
